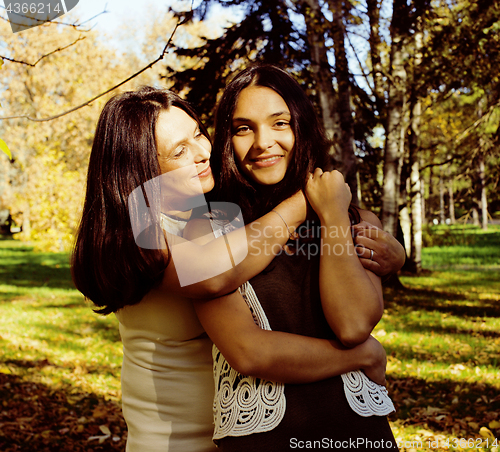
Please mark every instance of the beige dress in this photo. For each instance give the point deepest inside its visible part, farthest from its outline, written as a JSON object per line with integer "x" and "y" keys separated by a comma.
{"x": 167, "y": 382}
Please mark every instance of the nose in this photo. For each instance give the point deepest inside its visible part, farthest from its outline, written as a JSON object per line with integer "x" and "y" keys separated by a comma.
{"x": 203, "y": 150}
{"x": 264, "y": 138}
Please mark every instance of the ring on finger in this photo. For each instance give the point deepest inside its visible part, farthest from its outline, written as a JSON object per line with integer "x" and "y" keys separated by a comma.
{"x": 371, "y": 255}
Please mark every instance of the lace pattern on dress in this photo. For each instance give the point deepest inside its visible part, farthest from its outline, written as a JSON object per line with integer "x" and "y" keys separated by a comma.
{"x": 245, "y": 405}
{"x": 365, "y": 397}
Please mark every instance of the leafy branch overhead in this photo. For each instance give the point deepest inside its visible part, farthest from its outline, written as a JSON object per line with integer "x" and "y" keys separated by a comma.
{"x": 98, "y": 96}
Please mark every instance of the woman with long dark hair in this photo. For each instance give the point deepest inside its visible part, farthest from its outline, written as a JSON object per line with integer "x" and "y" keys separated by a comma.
{"x": 124, "y": 265}
{"x": 269, "y": 143}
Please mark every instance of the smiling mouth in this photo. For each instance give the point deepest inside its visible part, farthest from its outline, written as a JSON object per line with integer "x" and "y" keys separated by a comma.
{"x": 267, "y": 161}
{"x": 205, "y": 172}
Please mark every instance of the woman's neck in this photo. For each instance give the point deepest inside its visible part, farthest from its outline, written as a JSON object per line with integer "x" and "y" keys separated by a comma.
{"x": 178, "y": 214}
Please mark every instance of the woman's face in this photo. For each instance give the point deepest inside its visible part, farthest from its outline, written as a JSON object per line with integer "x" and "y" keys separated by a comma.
{"x": 181, "y": 144}
{"x": 262, "y": 137}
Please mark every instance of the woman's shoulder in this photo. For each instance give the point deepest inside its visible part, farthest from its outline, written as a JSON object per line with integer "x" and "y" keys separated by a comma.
{"x": 197, "y": 228}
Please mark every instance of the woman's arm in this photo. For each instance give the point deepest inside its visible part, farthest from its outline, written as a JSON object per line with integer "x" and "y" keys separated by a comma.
{"x": 202, "y": 267}
{"x": 388, "y": 254}
{"x": 351, "y": 296}
{"x": 278, "y": 356}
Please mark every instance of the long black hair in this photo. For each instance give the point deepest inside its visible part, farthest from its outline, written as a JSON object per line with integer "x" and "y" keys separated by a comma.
{"x": 310, "y": 151}
{"x": 107, "y": 266}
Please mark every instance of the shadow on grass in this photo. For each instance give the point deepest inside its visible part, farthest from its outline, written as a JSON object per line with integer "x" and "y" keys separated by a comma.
{"x": 22, "y": 267}
{"x": 81, "y": 304}
{"x": 39, "y": 300}
{"x": 468, "y": 357}
{"x": 441, "y": 329}
{"x": 37, "y": 417}
{"x": 445, "y": 406}
{"x": 446, "y": 302}
{"x": 106, "y": 331}
{"x": 37, "y": 274}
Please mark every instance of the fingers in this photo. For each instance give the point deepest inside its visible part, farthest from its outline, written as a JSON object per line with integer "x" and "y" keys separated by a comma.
{"x": 365, "y": 229}
{"x": 318, "y": 172}
{"x": 364, "y": 252}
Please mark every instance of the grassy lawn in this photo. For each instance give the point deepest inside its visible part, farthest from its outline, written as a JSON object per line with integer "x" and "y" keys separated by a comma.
{"x": 442, "y": 337}
{"x": 60, "y": 366}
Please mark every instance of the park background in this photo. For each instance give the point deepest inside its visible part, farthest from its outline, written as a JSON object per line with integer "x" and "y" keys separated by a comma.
{"x": 409, "y": 92}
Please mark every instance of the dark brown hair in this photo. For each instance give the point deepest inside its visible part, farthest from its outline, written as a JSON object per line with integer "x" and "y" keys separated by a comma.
{"x": 107, "y": 265}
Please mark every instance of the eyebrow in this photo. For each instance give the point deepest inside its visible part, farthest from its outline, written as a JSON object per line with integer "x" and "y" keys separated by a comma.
{"x": 273, "y": 115}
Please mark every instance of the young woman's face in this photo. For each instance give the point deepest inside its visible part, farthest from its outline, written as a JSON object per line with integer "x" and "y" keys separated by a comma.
{"x": 262, "y": 137}
{"x": 181, "y": 144}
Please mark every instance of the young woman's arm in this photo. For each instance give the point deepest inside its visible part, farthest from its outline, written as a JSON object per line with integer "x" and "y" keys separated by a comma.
{"x": 202, "y": 267}
{"x": 278, "y": 356}
{"x": 351, "y": 296}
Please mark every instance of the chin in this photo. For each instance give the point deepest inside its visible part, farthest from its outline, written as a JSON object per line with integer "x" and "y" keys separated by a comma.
{"x": 208, "y": 186}
{"x": 270, "y": 180}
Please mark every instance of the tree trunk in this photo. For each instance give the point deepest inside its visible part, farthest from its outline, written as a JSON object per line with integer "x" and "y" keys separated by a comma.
{"x": 451, "y": 202}
{"x": 414, "y": 263}
{"x": 422, "y": 195}
{"x": 484, "y": 200}
{"x": 451, "y": 198}
{"x": 415, "y": 191}
{"x": 475, "y": 216}
{"x": 441, "y": 198}
{"x": 395, "y": 119}
{"x": 349, "y": 162}
{"x": 327, "y": 97}
{"x": 373, "y": 10}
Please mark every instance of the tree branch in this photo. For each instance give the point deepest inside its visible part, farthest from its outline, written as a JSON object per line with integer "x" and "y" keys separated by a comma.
{"x": 162, "y": 55}
{"x": 75, "y": 26}
{"x": 477, "y": 123}
{"x": 43, "y": 56}
{"x": 360, "y": 65}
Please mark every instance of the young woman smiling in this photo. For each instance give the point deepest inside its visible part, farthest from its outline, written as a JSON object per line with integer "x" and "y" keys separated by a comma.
{"x": 268, "y": 144}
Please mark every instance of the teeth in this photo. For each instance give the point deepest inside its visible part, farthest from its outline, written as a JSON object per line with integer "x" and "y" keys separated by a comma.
{"x": 269, "y": 159}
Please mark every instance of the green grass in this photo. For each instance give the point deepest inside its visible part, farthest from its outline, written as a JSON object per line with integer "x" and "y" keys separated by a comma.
{"x": 461, "y": 246}
{"x": 441, "y": 333}
{"x": 442, "y": 337}
{"x": 48, "y": 332}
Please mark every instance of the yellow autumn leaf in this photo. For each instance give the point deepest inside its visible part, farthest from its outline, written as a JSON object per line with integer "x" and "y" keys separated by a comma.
{"x": 105, "y": 429}
{"x": 494, "y": 424}
{"x": 486, "y": 433}
{"x": 5, "y": 148}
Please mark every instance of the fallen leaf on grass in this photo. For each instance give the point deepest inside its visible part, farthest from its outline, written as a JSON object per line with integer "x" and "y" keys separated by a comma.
{"x": 105, "y": 429}
{"x": 101, "y": 438}
{"x": 486, "y": 433}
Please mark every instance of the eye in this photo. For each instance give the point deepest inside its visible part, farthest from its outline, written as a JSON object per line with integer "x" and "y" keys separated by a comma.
{"x": 241, "y": 130}
{"x": 179, "y": 152}
{"x": 282, "y": 123}
{"x": 198, "y": 134}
